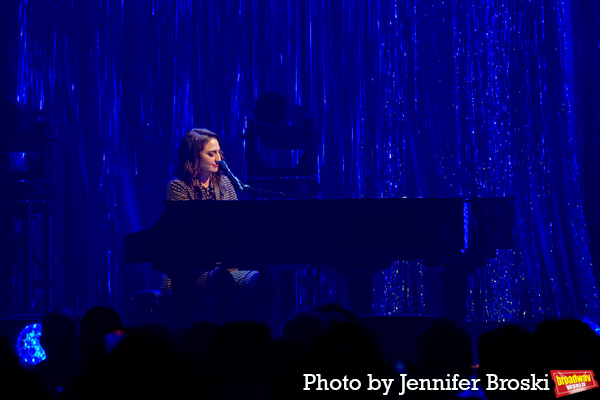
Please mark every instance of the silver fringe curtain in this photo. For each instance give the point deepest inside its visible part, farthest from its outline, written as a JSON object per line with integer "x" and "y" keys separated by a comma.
{"x": 413, "y": 98}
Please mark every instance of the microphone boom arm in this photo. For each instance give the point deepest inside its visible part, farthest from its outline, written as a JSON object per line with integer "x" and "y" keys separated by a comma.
{"x": 241, "y": 187}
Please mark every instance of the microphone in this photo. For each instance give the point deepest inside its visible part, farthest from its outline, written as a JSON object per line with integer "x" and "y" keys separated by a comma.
{"x": 239, "y": 186}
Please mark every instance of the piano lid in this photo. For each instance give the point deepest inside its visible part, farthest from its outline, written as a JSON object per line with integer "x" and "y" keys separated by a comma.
{"x": 329, "y": 230}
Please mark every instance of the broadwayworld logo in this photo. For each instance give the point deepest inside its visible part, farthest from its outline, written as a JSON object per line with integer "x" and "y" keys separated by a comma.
{"x": 569, "y": 382}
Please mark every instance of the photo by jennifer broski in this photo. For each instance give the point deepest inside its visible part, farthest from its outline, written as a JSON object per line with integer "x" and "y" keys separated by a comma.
{"x": 570, "y": 382}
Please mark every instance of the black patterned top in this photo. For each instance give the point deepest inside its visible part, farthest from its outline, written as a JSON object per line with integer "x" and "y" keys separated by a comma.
{"x": 178, "y": 190}
{"x": 207, "y": 193}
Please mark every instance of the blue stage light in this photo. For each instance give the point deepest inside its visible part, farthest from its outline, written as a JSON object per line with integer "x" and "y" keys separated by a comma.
{"x": 28, "y": 344}
{"x": 400, "y": 367}
{"x": 592, "y": 324}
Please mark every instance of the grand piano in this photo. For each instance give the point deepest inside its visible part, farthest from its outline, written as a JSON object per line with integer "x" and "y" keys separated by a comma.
{"x": 357, "y": 236}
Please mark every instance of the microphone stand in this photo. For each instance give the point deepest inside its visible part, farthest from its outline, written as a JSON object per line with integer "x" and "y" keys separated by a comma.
{"x": 242, "y": 187}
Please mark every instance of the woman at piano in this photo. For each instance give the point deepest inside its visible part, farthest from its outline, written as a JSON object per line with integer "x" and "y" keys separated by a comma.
{"x": 198, "y": 174}
{"x": 198, "y": 178}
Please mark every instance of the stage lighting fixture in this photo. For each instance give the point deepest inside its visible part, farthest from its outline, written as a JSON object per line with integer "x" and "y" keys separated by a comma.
{"x": 280, "y": 123}
{"x": 277, "y": 128}
{"x": 28, "y": 344}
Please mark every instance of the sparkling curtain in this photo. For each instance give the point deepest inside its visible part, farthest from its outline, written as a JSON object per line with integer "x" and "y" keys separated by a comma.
{"x": 413, "y": 98}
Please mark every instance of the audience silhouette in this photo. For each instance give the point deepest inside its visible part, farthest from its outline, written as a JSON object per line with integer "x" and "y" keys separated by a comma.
{"x": 16, "y": 382}
{"x": 62, "y": 366}
{"x": 320, "y": 353}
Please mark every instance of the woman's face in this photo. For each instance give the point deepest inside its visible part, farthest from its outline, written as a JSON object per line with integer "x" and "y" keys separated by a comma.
{"x": 209, "y": 157}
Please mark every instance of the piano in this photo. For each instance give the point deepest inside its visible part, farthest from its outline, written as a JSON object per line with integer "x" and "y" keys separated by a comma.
{"x": 357, "y": 236}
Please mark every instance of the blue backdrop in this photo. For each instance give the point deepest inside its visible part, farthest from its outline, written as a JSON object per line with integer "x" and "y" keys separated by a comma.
{"x": 412, "y": 98}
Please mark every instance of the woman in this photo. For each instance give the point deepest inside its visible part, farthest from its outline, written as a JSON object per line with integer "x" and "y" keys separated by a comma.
{"x": 199, "y": 178}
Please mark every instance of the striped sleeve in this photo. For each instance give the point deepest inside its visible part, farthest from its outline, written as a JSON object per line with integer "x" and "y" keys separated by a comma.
{"x": 228, "y": 192}
{"x": 177, "y": 190}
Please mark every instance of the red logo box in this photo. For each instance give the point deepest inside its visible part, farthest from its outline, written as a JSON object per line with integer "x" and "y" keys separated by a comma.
{"x": 569, "y": 382}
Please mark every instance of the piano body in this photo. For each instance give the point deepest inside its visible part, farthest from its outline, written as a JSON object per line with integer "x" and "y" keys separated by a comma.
{"x": 358, "y": 236}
